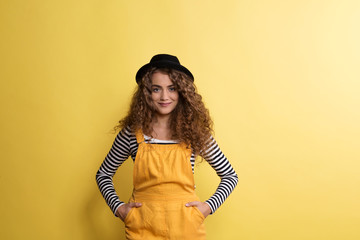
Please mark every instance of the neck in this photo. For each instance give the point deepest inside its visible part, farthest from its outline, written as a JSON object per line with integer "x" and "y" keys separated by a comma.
{"x": 162, "y": 121}
{"x": 161, "y": 128}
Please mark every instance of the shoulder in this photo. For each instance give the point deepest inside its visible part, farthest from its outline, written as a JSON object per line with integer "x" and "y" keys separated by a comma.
{"x": 126, "y": 133}
{"x": 210, "y": 145}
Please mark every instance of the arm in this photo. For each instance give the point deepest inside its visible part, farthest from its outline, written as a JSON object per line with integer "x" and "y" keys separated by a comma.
{"x": 118, "y": 153}
{"x": 217, "y": 160}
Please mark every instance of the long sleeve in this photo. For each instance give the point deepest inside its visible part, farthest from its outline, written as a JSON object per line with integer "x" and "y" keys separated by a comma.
{"x": 119, "y": 152}
{"x": 125, "y": 144}
{"x": 229, "y": 179}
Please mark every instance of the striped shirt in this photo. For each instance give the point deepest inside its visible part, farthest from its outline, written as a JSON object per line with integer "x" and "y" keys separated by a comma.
{"x": 125, "y": 145}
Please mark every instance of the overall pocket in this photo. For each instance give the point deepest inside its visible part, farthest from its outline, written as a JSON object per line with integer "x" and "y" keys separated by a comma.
{"x": 126, "y": 220}
{"x": 199, "y": 213}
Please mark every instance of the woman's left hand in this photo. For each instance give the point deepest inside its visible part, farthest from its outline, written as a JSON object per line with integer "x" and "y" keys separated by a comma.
{"x": 203, "y": 207}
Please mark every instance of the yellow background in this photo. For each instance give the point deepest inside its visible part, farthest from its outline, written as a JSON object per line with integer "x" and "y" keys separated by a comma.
{"x": 281, "y": 80}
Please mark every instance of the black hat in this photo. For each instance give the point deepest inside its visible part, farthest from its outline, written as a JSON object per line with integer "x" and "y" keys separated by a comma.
{"x": 163, "y": 61}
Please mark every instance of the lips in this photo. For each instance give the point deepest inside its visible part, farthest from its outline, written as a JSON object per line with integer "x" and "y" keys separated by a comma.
{"x": 164, "y": 104}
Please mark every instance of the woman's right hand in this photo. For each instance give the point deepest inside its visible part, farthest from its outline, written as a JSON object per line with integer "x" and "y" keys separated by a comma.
{"x": 124, "y": 209}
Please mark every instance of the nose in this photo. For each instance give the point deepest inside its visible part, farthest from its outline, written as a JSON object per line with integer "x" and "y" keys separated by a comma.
{"x": 164, "y": 95}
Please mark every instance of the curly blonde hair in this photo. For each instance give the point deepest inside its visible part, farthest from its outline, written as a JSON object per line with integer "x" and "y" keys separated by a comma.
{"x": 190, "y": 121}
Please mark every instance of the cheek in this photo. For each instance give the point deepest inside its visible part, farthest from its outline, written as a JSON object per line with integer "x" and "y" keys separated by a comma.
{"x": 175, "y": 96}
{"x": 154, "y": 96}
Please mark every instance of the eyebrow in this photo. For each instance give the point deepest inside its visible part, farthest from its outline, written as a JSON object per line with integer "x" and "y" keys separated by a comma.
{"x": 172, "y": 85}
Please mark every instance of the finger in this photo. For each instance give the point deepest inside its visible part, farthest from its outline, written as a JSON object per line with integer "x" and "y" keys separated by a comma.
{"x": 191, "y": 204}
{"x": 135, "y": 204}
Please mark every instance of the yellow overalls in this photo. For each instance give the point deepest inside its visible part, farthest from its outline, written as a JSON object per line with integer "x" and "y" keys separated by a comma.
{"x": 163, "y": 183}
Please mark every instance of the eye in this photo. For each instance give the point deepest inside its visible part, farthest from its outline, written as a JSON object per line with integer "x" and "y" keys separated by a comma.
{"x": 172, "y": 89}
{"x": 155, "y": 89}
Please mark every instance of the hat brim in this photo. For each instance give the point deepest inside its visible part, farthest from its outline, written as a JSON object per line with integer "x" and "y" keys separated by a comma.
{"x": 162, "y": 64}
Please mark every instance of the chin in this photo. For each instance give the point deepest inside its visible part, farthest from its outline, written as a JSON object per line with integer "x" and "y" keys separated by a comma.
{"x": 164, "y": 112}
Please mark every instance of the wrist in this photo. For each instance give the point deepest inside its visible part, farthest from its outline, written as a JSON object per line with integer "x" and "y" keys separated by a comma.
{"x": 209, "y": 211}
{"x": 120, "y": 212}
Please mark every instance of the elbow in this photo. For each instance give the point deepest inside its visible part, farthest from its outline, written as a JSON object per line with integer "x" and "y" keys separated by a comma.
{"x": 98, "y": 176}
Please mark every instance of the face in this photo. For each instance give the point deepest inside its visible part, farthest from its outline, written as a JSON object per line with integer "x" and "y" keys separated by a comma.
{"x": 163, "y": 93}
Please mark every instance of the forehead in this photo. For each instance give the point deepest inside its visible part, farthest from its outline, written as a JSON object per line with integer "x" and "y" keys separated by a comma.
{"x": 161, "y": 79}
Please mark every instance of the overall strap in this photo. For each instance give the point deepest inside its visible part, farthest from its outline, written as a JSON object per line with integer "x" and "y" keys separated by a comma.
{"x": 139, "y": 136}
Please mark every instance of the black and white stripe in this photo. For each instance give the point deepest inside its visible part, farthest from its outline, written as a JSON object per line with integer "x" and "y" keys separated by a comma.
{"x": 125, "y": 145}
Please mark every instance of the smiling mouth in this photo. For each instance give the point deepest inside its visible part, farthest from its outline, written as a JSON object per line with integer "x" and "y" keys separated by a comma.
{"x": 164, "y": 104}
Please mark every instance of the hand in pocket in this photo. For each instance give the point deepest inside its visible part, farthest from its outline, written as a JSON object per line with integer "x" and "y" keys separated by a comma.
{"x": 124, "y": 209}
{"x": 204, "y": 208}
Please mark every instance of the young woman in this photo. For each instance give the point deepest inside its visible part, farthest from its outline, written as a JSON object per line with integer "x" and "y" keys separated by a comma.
{"x": 166, "y": 128}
